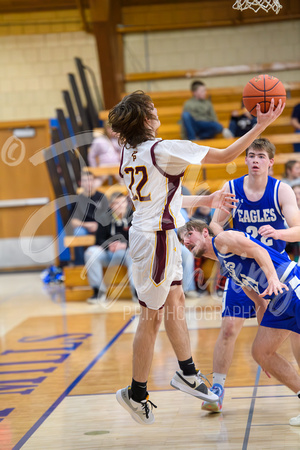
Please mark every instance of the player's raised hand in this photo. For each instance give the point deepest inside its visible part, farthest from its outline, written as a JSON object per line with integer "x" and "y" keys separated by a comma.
{"x": 266, "y": 118}
{"x": 274, "y": 287}
{"x": 268, "y": 231}
{"x": 223, "y": 200}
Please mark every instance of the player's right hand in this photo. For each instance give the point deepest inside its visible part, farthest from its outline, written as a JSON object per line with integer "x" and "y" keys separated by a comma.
{"x": 266, "y": 118}
{"x": 274, "y": 287}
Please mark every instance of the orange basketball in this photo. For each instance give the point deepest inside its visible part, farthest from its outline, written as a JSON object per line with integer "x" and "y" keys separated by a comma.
{"x": 262, "y": 89}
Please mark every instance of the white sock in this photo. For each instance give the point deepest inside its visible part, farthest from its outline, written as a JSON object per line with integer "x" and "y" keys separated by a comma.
{"x": 219, "y": 378}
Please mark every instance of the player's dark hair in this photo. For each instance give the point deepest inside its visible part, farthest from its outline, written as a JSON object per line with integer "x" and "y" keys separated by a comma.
{"x": 196, "y": 84}
{"x": 192, "y": 225}
{"x": 128, "y": 118}
{"x": 262, "y": 144}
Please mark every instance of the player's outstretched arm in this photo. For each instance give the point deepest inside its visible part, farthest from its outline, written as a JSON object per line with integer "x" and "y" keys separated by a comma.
{"x": 219, "y": 156}
{"x": 237, "y": 243}
{"x": 221, "y": 199}
{"x": 220, "y": 217}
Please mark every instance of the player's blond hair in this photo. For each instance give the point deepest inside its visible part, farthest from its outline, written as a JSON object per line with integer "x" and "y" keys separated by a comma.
{"x": 192, "y": 225}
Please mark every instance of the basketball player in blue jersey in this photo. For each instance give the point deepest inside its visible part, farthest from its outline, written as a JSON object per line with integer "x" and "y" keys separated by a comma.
{"x": 264, "y": 275}
{"x": 152, "y": 170}
{"x": 264, "y": 204}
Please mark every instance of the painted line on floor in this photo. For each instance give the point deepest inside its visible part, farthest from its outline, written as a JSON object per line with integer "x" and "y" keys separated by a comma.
{"x": 42, "y": 419}
{"x": 251, "y": 410}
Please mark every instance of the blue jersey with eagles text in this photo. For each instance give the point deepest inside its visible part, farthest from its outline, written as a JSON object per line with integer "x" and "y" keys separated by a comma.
{"x": 250, "y": 216}
{"x": 247, "y": 272}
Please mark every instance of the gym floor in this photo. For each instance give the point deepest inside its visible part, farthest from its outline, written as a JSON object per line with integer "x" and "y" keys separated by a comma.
{"x": 61, "y": 364}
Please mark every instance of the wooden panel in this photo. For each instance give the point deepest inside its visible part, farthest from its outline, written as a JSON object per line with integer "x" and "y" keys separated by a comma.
{"x": 75, "y": 276}
{"x": 78, "y": 294}
{"x": 21, "y": 179}
{"x": 105, "y": 16}
{"x": 204, "y": 13}
{"x": 79, "y": 241}
{"x": 213, "y": 71}
{"x": 14, "y": 6}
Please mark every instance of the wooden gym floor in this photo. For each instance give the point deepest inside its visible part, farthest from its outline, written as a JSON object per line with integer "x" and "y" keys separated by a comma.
{"x": 61, "y": 364}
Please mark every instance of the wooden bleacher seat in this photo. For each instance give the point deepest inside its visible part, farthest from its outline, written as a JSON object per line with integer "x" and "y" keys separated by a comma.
{"x": 78, "y": 288}
{"x": 76, "y": 282}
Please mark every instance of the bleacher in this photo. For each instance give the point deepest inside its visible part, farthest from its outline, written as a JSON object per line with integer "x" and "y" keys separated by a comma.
{"x": 225, "y": 100}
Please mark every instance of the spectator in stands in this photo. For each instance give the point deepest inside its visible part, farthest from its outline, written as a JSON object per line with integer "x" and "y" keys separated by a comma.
{"x": 296, "y": 189}
{"x": 292, "y": 173}
{"x": 199, "y": 119}
{"x": 241, "y": 122}
{"x": 111, "y": 248}
{"x": 105, "y": 151}
{"x": 296, "y": 124}
{"x": 188, "y": 262}
{"x": 90, "y": 209}
{"x": 203, "y": 212}
{"x": 293, "y": 248}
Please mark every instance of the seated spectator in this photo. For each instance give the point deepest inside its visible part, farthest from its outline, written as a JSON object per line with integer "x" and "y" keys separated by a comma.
{"x": 296, "y": 189}
{"x": 199, "y": 119}
{"x": 295, "y": 120}
{"x": 105, "y": 151}
{"x": 188, "y": 263}
{"x": 292, "y": 173}
{"x": 241, "y": 122}
{"x": 293, "y": 248}
{"x": 90, "y": 209}
{"x": 111, "y": 248}
{"x": 203, "y": 212}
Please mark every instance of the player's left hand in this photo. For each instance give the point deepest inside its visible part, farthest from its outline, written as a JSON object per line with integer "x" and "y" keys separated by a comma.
{"x": 274, "y": 287}
{"x": 268, "y": 231}
{"x": 223, "y": 200}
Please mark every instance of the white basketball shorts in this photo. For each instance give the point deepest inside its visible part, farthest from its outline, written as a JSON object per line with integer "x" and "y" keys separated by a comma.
{"x": 156, "y": 265}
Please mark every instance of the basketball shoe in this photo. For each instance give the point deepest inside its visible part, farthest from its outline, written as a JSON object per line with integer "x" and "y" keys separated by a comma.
{"x": 218, "y": 390}
{"x": 295, "y": 421}
{"x": 193, "y": 385}
{"x": 139, "y": 411}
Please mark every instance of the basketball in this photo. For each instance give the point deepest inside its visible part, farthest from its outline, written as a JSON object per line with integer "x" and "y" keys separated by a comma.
{"x": 261, "y": 89}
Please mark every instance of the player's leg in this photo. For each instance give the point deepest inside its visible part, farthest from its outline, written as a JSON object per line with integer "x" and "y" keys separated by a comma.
{"x": 135, "y": 398}
{"x": 143, "y": 344}
{"x": 222, "y": 359}
{"x": 236, "y": 307}
{"x": 188, "y": 379}
{"x": 264, "y": 351}
{"x": 152, "y": 296}
{"x": 295, "y": 343}
{"x": 264, "y": 348}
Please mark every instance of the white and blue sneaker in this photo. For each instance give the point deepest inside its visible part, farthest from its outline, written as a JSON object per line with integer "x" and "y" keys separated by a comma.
{"x": 215, "y": 407}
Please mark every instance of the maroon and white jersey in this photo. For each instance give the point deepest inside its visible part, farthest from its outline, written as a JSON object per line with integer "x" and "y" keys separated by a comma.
{"x": 152, "y": 173}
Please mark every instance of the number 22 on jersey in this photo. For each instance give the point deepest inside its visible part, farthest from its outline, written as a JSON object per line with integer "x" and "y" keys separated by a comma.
{"x": 138, "y": 180}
